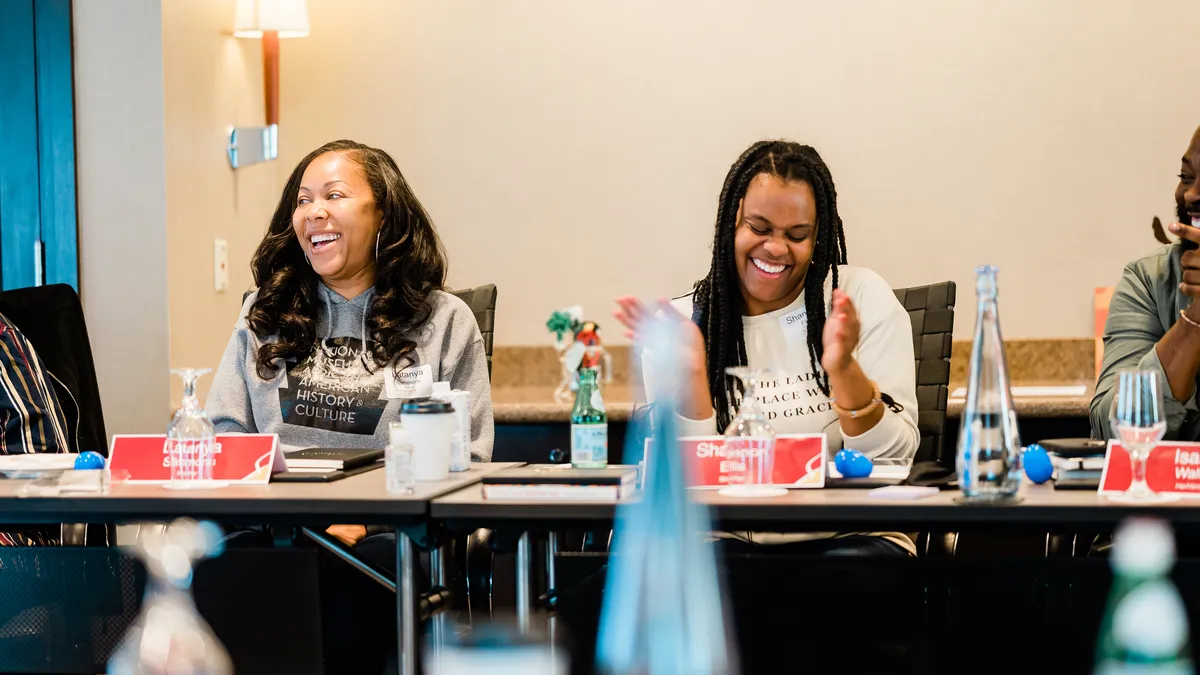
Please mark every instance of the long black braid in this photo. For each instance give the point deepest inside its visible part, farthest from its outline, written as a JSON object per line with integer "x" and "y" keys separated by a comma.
{"x": 718, "y": 303}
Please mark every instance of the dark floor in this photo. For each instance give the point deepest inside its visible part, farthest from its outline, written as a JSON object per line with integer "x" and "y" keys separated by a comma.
{"x": 893, "y": 616}
{"x": 975, "y": 613}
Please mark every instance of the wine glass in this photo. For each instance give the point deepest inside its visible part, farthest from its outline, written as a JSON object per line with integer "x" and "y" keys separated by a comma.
{"x": 750, "y": 440}
{"x": 191, "y": 439}
{"x": 169, "y": 634}
{"x": 1138, "y": 424}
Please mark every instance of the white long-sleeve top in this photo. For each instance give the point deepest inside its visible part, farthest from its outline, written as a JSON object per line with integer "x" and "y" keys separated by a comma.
{"x": 794, "y": 403}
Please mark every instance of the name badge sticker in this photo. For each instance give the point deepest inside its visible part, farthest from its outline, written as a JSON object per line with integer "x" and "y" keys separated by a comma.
{"x": 412, "y": 382}
{"x": 795, "y": 326}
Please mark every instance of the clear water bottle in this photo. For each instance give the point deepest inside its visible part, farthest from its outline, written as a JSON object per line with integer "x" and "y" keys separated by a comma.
{"x": 398, "y": 461}
{"x": 989, "y": 446}
{"x": 1145, "y": 627}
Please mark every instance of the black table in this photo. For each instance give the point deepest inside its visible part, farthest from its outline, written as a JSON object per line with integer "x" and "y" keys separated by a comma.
{"x": 816, "y": 510}
{"x": 358, "y": 499}
{"x": 840, "y": 509}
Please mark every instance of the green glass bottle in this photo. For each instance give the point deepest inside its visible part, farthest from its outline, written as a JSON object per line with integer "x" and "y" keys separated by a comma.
{"x": 1145, "y": 628}
{"x": 589, "y": 425}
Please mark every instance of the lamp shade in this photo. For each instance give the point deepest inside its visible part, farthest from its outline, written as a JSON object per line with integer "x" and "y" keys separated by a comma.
{"x": 287, "y": 17}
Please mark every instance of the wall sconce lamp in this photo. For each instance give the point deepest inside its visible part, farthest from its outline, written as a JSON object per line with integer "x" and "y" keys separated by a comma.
{"x": 269, "y": 20}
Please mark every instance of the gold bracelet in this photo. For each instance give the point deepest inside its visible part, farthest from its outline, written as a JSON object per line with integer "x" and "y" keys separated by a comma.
{"x": 1183, "y": 315}
{"x": 876, "y": 399}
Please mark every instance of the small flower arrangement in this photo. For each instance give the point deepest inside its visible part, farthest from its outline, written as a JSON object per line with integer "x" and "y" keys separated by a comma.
{"x": 578, "y": 345}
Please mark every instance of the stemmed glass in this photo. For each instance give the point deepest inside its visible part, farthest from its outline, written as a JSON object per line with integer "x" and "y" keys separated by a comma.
{"x": 750, "y": 440}
{"x": 1138, "y": 423}
{"x": 169, "y": 635}
{"x": 191, "y": 439}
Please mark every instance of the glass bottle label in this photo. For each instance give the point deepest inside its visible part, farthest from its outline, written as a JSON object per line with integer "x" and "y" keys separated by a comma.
{"x": 589, "y": 443}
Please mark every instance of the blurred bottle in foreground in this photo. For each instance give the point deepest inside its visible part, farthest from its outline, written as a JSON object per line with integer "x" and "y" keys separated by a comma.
{"x": 169, "y": 637}
{"x": 1145, "y": 627}
{"x": 664, "y": 601}
{"x": 496, "y": 647}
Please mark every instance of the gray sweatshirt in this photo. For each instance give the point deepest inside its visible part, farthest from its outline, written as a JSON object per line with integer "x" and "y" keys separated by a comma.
{"x": 330, "y": 399}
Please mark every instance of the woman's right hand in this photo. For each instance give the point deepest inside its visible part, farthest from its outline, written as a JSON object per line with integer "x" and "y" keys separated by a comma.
{"x": 634, "y": 315}
{"x": 690, "y": 387}
{"x": 692, "y": 397}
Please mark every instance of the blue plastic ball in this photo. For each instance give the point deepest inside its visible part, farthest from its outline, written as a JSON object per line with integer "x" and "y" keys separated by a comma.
{"x": 89, "y": 460}
{"x": 1038, "y": 466}
{"x": 853, "y": 464}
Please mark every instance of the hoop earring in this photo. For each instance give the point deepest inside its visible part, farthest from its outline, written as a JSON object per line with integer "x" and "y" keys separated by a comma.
{"x": 306, "y": 257}
{"x": 377, "y": 244}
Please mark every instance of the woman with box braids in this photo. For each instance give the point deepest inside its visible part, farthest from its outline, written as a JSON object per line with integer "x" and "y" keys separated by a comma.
{"x": 718, "y": 301}
{"x": 780, "y": 297}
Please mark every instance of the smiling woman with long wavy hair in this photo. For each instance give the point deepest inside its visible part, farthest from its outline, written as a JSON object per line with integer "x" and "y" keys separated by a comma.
{"x": 349, "y": 320}
{"x": 350, "y": 317}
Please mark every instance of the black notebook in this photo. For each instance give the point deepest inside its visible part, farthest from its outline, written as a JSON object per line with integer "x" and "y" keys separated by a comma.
{"x": 561, "y": 474}
{"x": 559, "y": 481}
{"x": 330, "y": 459}
{"x": 322, "y": 476}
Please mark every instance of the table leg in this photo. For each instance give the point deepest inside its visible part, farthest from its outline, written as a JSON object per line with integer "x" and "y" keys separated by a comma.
{"x": 406, "y": 606}
{"x": 524, "y": 599}
{"x": 437, "y": 569}
{"x": 551, "y": 551}
{"x": 551, "y": 590}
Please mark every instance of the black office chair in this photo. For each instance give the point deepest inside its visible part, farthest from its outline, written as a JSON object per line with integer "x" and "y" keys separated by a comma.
{"x": 51, "y": 317}
{"x": 64, "y": 609}
{"x": 482, "y": 301}
{"x": 473, "y": 551}
{"x": 931, "y": 311}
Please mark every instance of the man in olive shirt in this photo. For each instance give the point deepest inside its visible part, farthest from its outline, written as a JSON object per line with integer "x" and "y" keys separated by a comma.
{"x": 1154, "y": 317}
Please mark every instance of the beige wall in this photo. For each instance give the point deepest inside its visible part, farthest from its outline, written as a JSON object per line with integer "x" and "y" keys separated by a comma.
{"x": 213, "y": 81}
{"x": 122, "y": 242}
{"x": 543, "y": 135}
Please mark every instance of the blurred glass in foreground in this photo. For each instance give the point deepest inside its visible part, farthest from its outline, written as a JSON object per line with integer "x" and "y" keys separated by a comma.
{"x": 663, "y": 601}
{"x": 169, "y": 637}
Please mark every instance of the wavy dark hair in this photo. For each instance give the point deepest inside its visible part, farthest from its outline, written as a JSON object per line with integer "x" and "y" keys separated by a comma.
{"x": 718, "y": 304}
{"x": 411, "y": 264}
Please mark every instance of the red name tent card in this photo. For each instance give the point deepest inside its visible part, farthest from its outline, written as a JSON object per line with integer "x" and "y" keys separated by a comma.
{"x": 799, "y": 461}
{"x": 245, "y": 459}
{"x": 1173, "y": 466}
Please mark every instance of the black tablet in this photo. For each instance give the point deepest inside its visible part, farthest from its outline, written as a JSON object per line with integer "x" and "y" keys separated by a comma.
{"x": 322, "y": 476}
{"x": 1088, "y": 483}
{"x": 1074, "y": 447}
